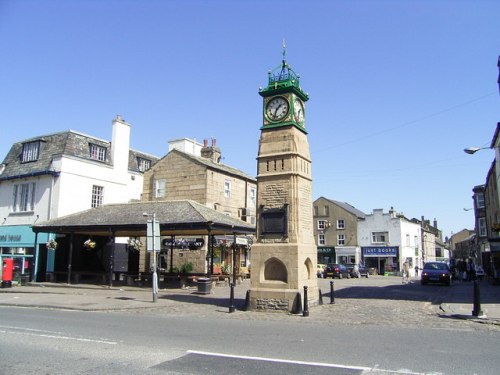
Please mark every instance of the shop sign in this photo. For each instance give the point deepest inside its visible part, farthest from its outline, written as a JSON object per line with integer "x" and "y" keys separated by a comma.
{"x": 184, "y": 243}
{"x": 380, "y": 251}
{"x": 326, "y": 250}
{"x": 10, "y": 238}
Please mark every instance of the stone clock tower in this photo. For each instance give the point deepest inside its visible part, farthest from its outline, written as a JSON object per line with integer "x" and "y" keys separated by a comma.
{"x": 284, "y": 255}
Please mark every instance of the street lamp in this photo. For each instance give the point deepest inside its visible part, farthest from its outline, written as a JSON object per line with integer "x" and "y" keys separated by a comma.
{"x": 473, "y": 150}
{"x": 153, "y": 232}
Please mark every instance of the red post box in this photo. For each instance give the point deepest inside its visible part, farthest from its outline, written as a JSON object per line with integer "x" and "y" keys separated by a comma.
{"x": 7, "y": 270}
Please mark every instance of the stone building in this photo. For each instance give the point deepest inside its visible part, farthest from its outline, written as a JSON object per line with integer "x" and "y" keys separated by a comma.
{"x": 203, "y": 178}
{"x": 336, "y": 231}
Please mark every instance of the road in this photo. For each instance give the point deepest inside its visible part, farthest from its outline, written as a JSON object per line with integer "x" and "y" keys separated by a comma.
{"x": 372, "y": 328}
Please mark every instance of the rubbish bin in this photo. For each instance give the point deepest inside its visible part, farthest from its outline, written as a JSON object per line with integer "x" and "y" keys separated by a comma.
{"x": 204, "y": 285}
{"x": 24, "y": 279}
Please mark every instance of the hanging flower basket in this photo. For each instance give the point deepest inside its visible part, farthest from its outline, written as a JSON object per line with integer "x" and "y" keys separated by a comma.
{"x": 89, "y": 244}
{"x": 134, "y": 244}
{"x": 51, "y": 245}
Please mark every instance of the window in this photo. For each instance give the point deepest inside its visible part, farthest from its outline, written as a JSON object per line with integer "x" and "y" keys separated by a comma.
{"x": 480, "y": 200}
{"x": 31, "y": 151}
{"x": 253, "y": 196}
{"x": 341, "y": 224}
{"x": 321, "y": 239}
{"x": 23, "y": 197}
{"x": 481, "y": 223}
{"x": 97, "y": 152}
{"x": 97, "y": 196}
{"x": 321, "y": 224}
{"x": 407, "y": 239}
{"x": 380, "y": 237}
{"x": 143, "y": 164}
{"x": 315, "y": 210}
{"x": 160, "y": 188}
{"x": 327, "y": 210}
{"x": 227, "y": 189}
{"x": 341, "y": 239}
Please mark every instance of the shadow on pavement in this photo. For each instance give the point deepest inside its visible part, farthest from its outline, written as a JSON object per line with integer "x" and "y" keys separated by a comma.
{"x": 459, "y": 292}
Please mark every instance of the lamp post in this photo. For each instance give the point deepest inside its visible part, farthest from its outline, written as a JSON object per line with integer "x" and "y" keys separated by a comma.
{"x": 473, "y": 150}
{"x": 153, "y": 232}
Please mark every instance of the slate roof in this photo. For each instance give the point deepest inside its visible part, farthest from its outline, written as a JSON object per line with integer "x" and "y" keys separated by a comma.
{"x": 68, "y": 143}
{"x": 182, "y": 217}
{"x": 353, "y": 210}
{"x": 209, "y": 163}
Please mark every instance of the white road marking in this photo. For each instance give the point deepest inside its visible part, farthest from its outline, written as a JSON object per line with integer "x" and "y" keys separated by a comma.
{"x": 279, "y": 360}
{"x": 50, "y": 334}
{"x": 321, "y": 364}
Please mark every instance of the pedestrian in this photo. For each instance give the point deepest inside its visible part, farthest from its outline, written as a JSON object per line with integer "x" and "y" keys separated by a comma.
{"x": 416, "y": 271}
{"x": 406, "y": 272}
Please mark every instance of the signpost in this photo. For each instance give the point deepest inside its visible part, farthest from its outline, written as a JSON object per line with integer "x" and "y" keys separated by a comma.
{"x": 153, "y": 245}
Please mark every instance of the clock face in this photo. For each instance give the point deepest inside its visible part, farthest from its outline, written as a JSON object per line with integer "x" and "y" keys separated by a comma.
{"x": 277, "y": 108}
{"x": 298, "y": 111}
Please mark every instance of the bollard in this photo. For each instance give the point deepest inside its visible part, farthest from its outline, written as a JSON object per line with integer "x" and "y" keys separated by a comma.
{"x": 306, "y": 304}
{"x": 477, "y": 300}
{"x": 231, "y": 299}
{"x": 247, "y": 301}
{"x": 332, "y": 293}
{"x": 320, "y": 297}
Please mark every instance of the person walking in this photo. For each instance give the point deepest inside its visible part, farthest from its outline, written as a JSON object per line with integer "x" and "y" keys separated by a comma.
{"x": 416, "y": 271}
{"x": 406, "y": 272}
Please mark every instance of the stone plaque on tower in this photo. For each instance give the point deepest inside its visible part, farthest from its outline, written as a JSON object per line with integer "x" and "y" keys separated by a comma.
{"x": 284, "y": 256}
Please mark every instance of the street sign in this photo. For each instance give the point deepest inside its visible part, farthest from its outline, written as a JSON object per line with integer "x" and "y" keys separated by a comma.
{"x": 153, "y": 236}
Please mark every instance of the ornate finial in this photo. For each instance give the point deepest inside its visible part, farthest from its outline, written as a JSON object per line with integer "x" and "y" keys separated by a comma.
{"x": 284, "y": 52}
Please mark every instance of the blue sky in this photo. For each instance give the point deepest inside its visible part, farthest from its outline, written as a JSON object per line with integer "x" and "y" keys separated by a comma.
{"x": 397, "y": 88}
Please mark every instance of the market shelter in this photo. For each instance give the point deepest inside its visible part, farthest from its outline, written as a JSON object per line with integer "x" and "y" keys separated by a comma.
{"x": 115, "y": 233}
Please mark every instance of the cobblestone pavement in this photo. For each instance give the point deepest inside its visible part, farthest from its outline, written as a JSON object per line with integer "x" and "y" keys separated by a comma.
{"x": 377, "y": 300}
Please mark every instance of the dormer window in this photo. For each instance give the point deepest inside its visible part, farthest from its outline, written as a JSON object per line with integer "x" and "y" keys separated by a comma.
{"x": 143, "y": 164}
{"x": 31, "y": 151}
{"x": 97, "y": 152}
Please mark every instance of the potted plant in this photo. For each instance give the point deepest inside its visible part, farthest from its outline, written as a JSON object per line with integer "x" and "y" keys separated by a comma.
{"x": 51, "y": 244}
{"x": 183, "y": 271}
{"x": 89, "y": 244}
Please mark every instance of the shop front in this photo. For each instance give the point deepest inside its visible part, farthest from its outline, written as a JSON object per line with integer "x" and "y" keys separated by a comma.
{"x": 326, "y": 254}
{"x": 348, "y": 255}
{"x": 385, "y": 259}
{"x": 18, "y": 243}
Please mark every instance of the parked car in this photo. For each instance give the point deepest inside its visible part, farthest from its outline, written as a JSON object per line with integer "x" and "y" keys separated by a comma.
{"x": 362, "y": 271}
{"x": 321, "y": 270}
{"x": 338, "y": 271}
{"x": 436, "y": 272}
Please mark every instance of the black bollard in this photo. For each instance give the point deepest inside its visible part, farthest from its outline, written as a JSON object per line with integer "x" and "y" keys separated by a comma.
{"x": 332, "y": 293}
{"x": 231, "y": 299}
{"x": 320, "y": 297}
{"x": 306, "y": 304}
{"x": 247, "y": 301}
{"x": 477, "y": 300}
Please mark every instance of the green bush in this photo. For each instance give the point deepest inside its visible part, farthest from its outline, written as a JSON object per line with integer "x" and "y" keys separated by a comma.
{"x": 186, "y": 267}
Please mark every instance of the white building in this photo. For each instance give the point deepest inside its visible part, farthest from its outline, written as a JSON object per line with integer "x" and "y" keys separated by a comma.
{"x": 59, "y": 174}
{"x": 387, "y": 239}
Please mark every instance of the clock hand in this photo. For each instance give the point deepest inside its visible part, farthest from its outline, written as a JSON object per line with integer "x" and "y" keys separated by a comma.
{"x": 279, "y": 106}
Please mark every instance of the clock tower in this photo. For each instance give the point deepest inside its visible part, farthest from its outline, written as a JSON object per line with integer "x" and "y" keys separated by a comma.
{"x": 284, "y": 255}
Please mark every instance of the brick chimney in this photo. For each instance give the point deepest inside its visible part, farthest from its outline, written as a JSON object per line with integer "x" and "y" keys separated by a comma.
{"x": 211, "y": 152}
